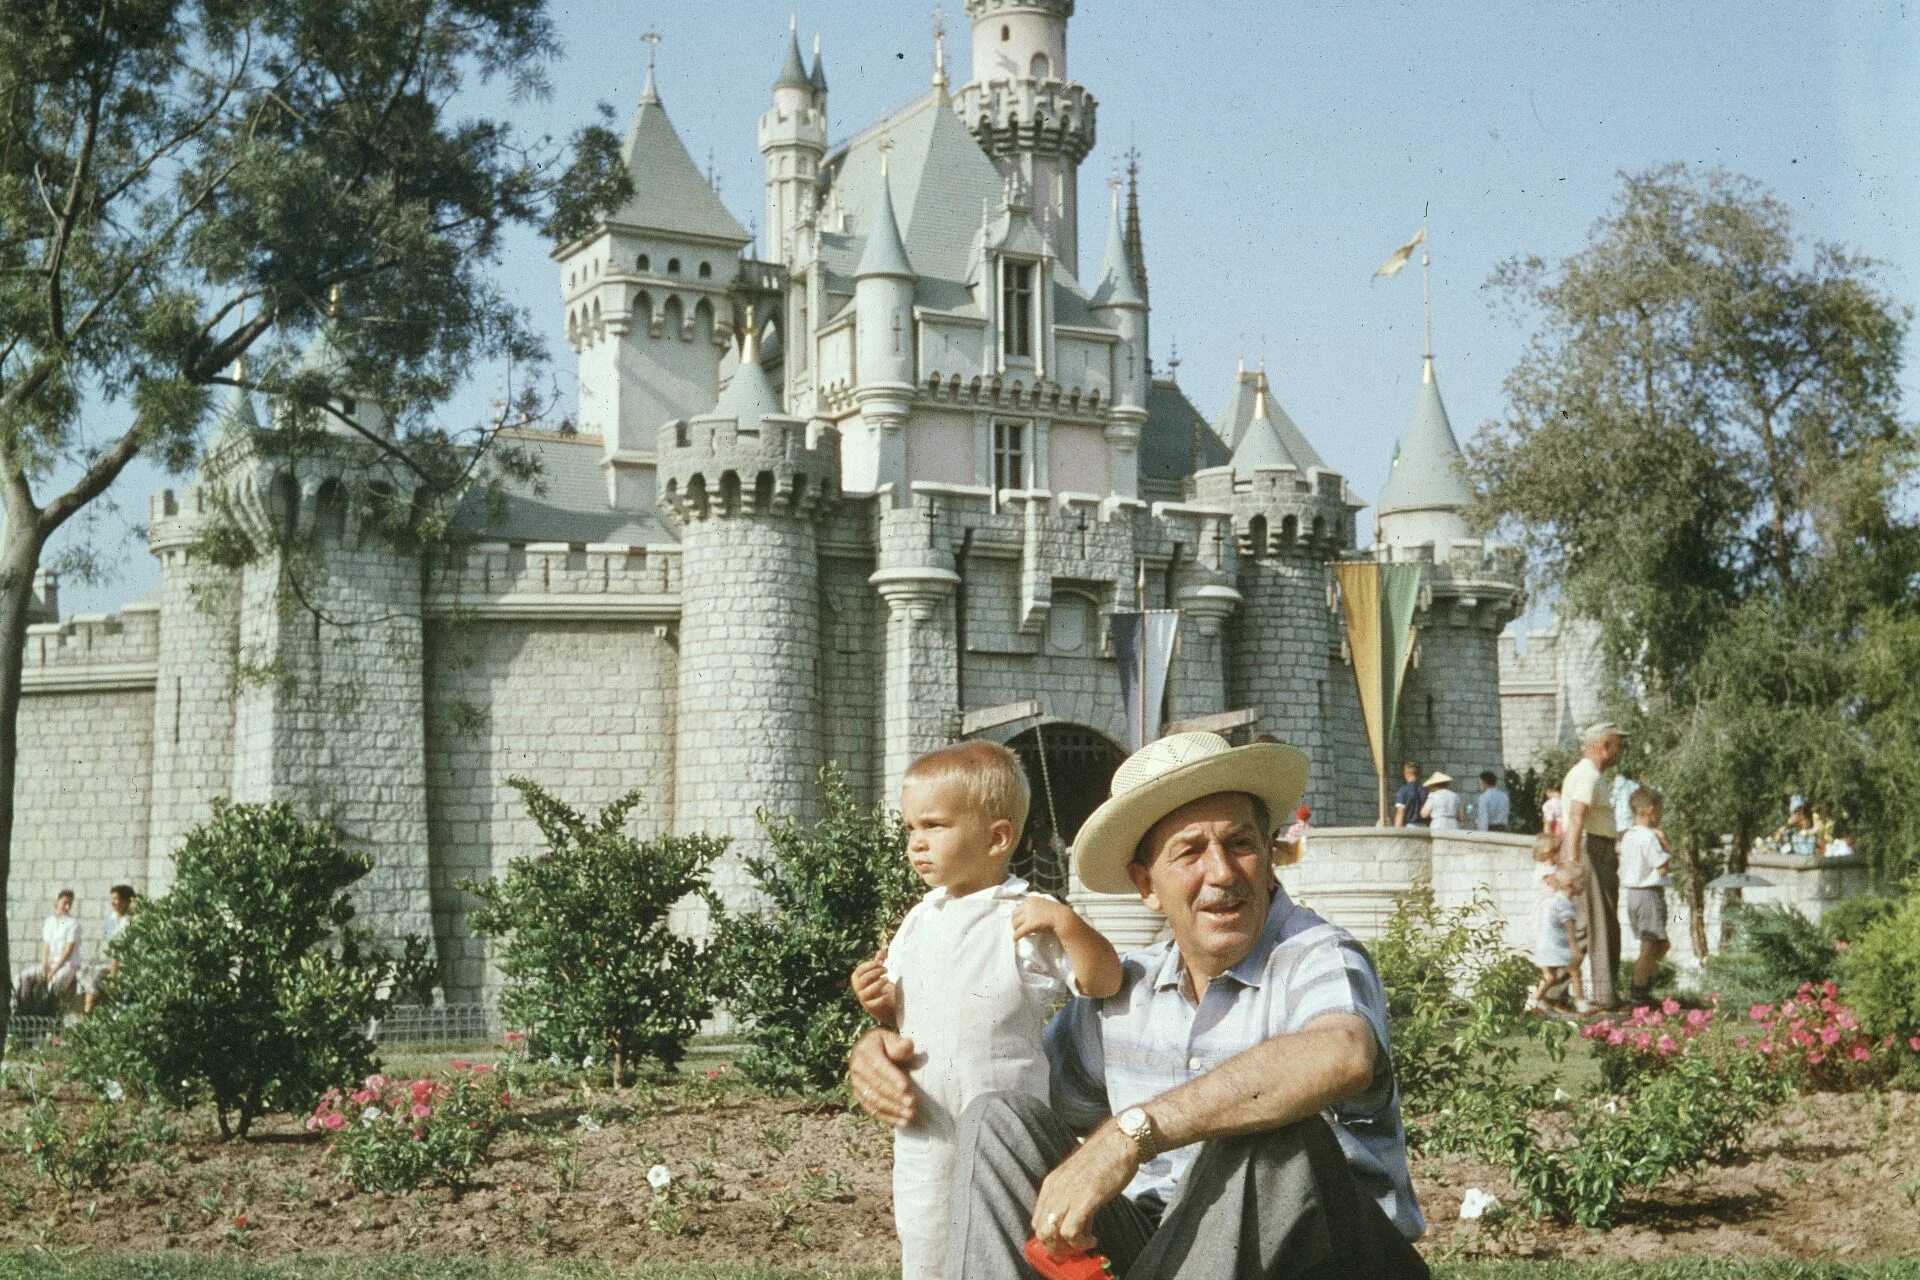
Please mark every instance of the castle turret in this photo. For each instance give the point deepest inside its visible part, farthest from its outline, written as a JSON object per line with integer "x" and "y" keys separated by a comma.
{"x": 746, "y": 483}
{"x": 1450, "y": 705}
{"x": 1291, "y": 517}
{"x": 647, "y": 303}
{"x": 793, "y": 138}
{"x": 193, "y": 703}
{"x": 1024, "y": 111}
{"x": 883, "y": 341}
{"x": 1117, "y": 300}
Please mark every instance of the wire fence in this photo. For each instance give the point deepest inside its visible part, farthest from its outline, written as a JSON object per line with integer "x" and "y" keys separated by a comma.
{"x": 404, "y": 1024}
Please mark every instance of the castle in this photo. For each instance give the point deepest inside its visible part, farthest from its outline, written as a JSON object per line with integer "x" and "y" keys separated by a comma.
{"x": 855, "y": 500}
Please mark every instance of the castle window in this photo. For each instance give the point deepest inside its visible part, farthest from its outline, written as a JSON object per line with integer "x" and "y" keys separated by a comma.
{"x": 706, "y": 271}
{"x": 1009, "y": 455}
{"x": 348, "y": 405}
{"x": 1006, "y": 32}
{"x": 673, "y": 266}
{"x": 1016, "y": 308}
{"x": 646, "y": 263}
{"x": 1041, "y": 69}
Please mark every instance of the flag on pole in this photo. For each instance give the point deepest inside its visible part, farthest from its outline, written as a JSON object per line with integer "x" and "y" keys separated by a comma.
{"x": 1379, "y": 601}
{"x": 1143, "y": 648}
{"x": 1401, "y": 256}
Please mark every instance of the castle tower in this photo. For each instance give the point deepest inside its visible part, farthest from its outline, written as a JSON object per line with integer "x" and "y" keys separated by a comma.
{"x": 793, "y": 138}
{"x": 746, "y": 483}
{"x": 883, "y": 339}
{"x": 1291, "y": 515}
{"x": 1024, "y": 111}
{"x": 199, "y": 638}
{"x": 329, "y": 706}
{"x": 648, "y": 311}
{"x": 1450, "y": 706}
{"x": 1117, "y": 300}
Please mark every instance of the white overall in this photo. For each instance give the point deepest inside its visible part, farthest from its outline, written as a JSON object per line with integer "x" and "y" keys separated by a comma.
{"x": 974, "y": 1004}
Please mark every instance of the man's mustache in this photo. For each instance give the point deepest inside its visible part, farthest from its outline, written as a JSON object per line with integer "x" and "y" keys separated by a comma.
{"x": 1215, "y": 899}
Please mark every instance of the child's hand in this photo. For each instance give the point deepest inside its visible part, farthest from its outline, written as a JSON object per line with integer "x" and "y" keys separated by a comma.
{"x": 871, "y": 986}
{"x": 1041, "y": 915}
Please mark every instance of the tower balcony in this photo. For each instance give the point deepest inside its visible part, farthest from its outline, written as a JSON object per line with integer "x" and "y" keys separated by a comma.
{"x": 1047, "y": 116}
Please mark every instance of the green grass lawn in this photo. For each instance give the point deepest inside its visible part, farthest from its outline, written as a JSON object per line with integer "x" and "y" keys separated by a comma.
{"x": 181, "y": 1266}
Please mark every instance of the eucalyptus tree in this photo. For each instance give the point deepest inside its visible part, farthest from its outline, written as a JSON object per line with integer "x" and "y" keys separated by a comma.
{"x": 185, "y": 182}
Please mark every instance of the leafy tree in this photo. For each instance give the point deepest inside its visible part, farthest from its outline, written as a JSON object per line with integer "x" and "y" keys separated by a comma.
{"x": 185, "y": 182}
{"x": 246, "y": 984}
{"x": 593, "y": 968}
{"x": 835, "y": 892}
{"x": 1702, "y": 453}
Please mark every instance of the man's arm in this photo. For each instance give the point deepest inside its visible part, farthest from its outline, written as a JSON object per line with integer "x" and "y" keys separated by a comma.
{"x": 1399, "y": 814}
{"x": 1274, "y": 1084}
{"x": 1572, "y": 826}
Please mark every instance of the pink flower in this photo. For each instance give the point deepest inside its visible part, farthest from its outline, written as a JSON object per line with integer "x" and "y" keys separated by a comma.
{"x": 506, "y": 1099}
{"x": 421, "y": 1111}
{"x": 461, "y": 1064}
{"x": 1669, "y": 1006}
{"x": 334, "y": 1121}
{"x": 241, "y": 1222}
{"x": 1667, "y": 1046}
{"x": 713, "y": 1075}
{"x": 376, "y": 1081}
{"x": 1816, "y": 1058}
{"x": 1642, "y": 1040}
{"x": 1760, "y": 1012}
{"x": 1698, "y": 1017}
{"x": 1861, "y": 1053}
{"x": 481, "y": 1068}
{"x": 361, "y": 1097}
{"x": 1830, "y": 1036}
{"x": 514, "y": 1037}
{"x": 1829, "y": 989}
{"x": 313, "y": 1122}
{"x": 1913, "y": 1043}
{"x": 1741, "y": 1041}
{"x": 1616, "y": 1037}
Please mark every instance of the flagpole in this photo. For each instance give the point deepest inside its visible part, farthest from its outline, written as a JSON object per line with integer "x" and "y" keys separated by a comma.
{"x": 1426, "y": 292}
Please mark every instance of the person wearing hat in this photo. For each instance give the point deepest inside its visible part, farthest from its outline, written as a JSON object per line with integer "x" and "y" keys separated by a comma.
{"x": 1442, "y": 809}
{"x": 1236, "y": 1096}
{"x": 1587, "y": 838}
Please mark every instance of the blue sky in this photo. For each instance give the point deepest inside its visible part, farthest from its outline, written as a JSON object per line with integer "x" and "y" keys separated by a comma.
{"x": 1287, "y": 148}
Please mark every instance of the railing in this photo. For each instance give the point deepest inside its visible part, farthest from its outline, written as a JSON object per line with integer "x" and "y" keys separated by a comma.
{"x": 404, "y": 1024}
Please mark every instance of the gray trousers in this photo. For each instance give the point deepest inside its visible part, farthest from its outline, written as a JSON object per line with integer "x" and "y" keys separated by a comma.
{"x": 1265, "y": 1206}
{"x": 1603, "y": 918}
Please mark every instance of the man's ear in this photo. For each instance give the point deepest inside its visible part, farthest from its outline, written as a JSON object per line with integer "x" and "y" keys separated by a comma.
{"x": 1143, "y": 884}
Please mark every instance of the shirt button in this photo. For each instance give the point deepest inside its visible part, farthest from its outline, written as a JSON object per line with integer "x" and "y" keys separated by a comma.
{"x": 1193, "y": 1064}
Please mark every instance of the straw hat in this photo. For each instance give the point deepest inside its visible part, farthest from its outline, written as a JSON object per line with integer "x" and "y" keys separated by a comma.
{"x": 1438, "y": 779}
{"x": 1174, "y": 771}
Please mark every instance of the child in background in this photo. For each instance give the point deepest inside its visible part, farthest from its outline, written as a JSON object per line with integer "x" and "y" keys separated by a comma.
{"x": 1643, "y": 874}
{"x": 972, "y": 975}
{"x": 1546, "y": 859}
{"x": 1557, "y": 951}
{"x": 1552, "y": 813}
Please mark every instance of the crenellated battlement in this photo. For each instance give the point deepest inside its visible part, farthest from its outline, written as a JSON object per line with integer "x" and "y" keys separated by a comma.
{"x": 484, "y": 574}
{"x": 1283, "y": 510}
{"x": 714, "y": 466}
{"x": 177, "y": 518}
{"x": 123, "y": 644}
{"x": 1469, "y": 581}
{"x": 1044, "y": 116}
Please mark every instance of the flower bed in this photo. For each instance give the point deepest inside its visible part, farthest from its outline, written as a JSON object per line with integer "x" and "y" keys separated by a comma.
{"x": 395, "y": 1135}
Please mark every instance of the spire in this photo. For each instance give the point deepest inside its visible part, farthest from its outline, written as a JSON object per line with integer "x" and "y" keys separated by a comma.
{"x": 818, "y": 76}
{"x": 1136, "y": 252}
{"x": 793, "y": 73}
{"x": 885, "y": 253}
{"x": 939, "y": 54}
{"x": 670, "y": 193}
{"x": 1262, "y": 444}
{"x": 1429, "y": 471}
{"x": 1116, "y": 286}
{"x": 749, "y": 394}
{"x": 649, "y": 96}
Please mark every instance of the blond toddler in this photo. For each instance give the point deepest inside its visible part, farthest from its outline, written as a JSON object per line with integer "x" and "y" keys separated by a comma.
{"x": 972, "y": 975}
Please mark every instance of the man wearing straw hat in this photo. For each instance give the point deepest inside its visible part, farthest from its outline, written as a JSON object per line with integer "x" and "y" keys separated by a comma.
{"x": 1236, "y": 1096}
{"x": 1588, "y": 840}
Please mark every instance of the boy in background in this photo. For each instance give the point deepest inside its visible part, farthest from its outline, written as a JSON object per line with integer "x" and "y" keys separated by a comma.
{"x": 1644, "y": 854}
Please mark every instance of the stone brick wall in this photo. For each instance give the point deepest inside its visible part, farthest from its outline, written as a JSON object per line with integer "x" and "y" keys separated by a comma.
{"x": 193, "y": 702}
{"x": 1450, "y": 707}
{"x": 1280, "y": 641}
{"x": 1550, "y": 688}
{"x": 80, "y": 806}
{"x": 585, "y": 709}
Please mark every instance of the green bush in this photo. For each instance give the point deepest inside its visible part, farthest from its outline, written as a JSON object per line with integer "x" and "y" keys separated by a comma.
{"x": 835, "y": 891}
{"x": 1851, "y": 918}
{"x": 1773, "y": 950}
{"x": 246, "y": 984}
{"x": 594, "y": 972}
{"x": 396, "y": 1135}
{"x": 1881, "y": 973}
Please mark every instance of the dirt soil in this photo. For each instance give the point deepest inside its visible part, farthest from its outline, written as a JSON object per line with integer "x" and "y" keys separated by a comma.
{"x": 800, "y": 1184}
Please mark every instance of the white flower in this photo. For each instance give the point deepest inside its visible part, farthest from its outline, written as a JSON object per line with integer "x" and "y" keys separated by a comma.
{"x": 369, "y": 1115}
{"x": 553, "y": 1059}
{"x": 113, "y": 1091}
{"x": 1475, "y": 1203}
{"x": 1613, "y": 1107}
{"x": 659, "y": 1177}
{"x": 1559, "y": 1095}
{"x": 586, "y": 1062}
{"x": 588, "y": 1123}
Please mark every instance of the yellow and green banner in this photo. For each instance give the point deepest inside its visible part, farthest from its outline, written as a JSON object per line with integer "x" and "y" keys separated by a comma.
{"x": 1379, "y": 602}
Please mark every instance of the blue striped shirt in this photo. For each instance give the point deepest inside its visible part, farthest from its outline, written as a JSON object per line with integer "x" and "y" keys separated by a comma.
{"x": 1124, "y": 1051}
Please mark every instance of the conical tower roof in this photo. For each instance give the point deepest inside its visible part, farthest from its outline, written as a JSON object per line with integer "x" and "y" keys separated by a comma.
{"x": 793, "y": 72}
{"x": 1116, "y": 286}
{"x": 237, "y": 418}
{"x": 1429, "y": 471}
{"x": 749, "y": 395}
{"x": 818, "y": 76}
{"x": 669, "y": 192}
{"x": 1262, "y": 444}
{"x": 885, "y": 253}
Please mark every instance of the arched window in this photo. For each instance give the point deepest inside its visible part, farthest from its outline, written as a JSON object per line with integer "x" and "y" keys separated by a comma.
{"x": 1257, "y": 537}
{"x": 646, "y": 263}
{"x": 1042, "y": 67}
{"x": 673, "y": 266}
{"x": 1006, "y": 32}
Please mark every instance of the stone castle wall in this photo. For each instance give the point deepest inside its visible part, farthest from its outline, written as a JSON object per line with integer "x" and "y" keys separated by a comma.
{"x": 1550, "y": 688}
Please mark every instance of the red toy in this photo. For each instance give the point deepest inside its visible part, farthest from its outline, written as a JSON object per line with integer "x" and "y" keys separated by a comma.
{"x": 1075, "y": 1266}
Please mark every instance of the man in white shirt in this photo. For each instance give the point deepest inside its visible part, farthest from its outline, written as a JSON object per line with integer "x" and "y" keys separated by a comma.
{"x": 119, "y": 903}
{"x": 1587, "y": 839}
{"x": 60, "y": 947}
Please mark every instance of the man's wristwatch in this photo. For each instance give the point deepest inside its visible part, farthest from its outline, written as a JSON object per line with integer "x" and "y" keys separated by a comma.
{"x": 1138, "y": 1126}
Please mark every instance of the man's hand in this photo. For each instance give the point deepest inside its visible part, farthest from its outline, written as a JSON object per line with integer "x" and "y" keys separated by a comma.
{"x": 878, "y": 1074}
{"x": 1080, "y": 1187}
{"x": 1041, "y": 915}
{"x": 876, "y": 994}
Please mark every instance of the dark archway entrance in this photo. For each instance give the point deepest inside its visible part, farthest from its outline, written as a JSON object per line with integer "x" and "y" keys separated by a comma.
{"x": 1074, "y": 774}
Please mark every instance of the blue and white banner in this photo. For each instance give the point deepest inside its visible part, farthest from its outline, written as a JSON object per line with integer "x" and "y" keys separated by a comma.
{"x": 1143, "y": 646}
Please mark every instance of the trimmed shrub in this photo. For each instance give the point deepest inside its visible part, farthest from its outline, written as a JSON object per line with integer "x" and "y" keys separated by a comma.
{"x": 594, "y": 972}
{"x": 835, "y": 891}
{"x": 395, "y": 1135}
{"x": 1773, "y": 950}
{"x": 1882, "y": 974}
{"x": 246, "y": 984}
